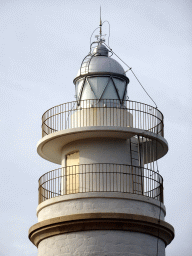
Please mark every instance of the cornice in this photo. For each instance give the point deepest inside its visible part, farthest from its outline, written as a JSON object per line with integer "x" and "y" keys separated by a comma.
{"x": 101, "y": 221}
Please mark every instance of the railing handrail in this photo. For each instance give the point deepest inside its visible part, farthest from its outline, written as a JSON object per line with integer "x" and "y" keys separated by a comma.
{"x": 136, "y": 115}
{"x": 128, "y": 179}
{"x": 75, "y": 101}
{"x": 103, "y": 163}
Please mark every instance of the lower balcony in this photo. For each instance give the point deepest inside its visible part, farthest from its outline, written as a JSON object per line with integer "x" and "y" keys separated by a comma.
{"x": 101, "y": 177}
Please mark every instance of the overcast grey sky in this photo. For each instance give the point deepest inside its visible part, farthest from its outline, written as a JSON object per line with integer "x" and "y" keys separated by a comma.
{"x": 42, "y": 44}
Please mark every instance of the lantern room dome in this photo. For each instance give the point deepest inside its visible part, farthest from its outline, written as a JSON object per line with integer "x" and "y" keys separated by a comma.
{"x": 100, "y": 77}
{"x": 100, "y": 62}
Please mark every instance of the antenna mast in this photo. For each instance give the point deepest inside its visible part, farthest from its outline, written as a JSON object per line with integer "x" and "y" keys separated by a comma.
{"x": 100, "y": 25}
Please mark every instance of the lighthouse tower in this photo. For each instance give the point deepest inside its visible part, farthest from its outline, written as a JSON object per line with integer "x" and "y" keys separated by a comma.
{"x": 107, "y": 196}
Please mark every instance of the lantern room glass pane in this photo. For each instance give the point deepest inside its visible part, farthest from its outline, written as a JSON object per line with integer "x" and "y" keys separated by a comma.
{"x": 121, "y": 86}
{"x": 87, "y": 92}
{"x": 78, "y": 87}
{"x": 98, "y": 85}
{"x": 110, "y": 92}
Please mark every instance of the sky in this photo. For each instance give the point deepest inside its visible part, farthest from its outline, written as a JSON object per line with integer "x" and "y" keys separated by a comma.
{"x": 42, "y": 44}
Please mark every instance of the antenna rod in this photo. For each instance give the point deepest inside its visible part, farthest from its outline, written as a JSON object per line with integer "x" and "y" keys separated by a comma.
{"x": 100, "y": 24}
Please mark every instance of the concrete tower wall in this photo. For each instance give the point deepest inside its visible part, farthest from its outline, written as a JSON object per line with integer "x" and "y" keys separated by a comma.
{"x": 105, "y": 150}
{"x": 99, "y": 203}
{"x": 103, "y": 116}
{"x": 101, "y": 243}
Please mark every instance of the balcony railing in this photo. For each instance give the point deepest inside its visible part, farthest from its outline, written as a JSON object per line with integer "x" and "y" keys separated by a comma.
{"x": 87, "y": 178}
{"x": 86, "y": 113}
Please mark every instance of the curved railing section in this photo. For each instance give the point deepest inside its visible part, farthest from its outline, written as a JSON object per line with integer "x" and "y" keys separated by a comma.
{"x": 87, "y": 178}
{"x": 86, "y": 113}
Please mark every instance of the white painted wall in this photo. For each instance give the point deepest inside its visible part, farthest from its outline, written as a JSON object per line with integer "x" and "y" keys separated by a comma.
{"x": 99, "y": 202}
{"x": 101, "y": 243}
{"x": 105, "y": 150}
{"x": 96, "y": 116}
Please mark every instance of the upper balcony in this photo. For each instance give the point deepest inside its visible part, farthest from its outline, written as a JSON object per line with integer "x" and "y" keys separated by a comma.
{"x": 87, "y": 113}
{"x": 106, "y": 118}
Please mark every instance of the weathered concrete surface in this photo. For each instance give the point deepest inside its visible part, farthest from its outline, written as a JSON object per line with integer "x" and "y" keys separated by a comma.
{"x": 99, "y": 202}
{"x": 101, "y": 243}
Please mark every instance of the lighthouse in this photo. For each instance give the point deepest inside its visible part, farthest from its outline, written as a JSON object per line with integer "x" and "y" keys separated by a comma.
{"x": 106, "y": 198}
